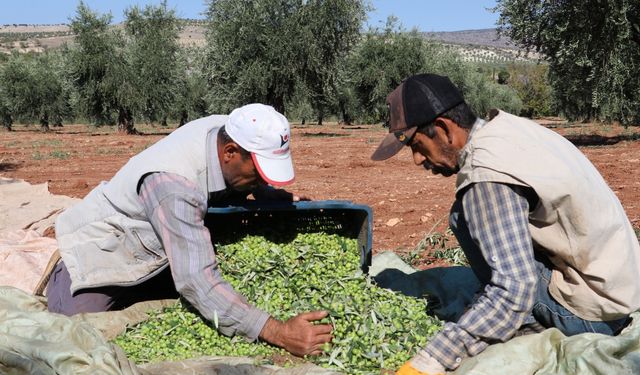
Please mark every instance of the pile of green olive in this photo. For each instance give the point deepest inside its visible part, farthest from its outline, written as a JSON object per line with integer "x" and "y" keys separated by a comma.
{"x": 374, "y": 328}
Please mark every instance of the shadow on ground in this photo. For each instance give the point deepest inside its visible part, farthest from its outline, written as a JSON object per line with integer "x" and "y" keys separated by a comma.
{"x": 7, "y": 167}
{"x": 599, "y": 140}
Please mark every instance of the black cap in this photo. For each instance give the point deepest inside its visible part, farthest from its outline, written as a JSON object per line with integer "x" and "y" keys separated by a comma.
{"x": 416, "y": 102}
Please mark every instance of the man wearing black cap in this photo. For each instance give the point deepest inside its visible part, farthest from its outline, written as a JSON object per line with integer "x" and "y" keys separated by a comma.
{"x": 546, "y": 237}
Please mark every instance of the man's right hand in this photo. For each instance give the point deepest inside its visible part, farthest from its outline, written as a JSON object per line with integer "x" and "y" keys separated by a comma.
{"x": 298, "y": 335}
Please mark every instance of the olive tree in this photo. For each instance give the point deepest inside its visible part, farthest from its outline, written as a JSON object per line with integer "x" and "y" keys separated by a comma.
{"x": 327, "y": 31}
{"x": 6, "y": 115}
{"x": 252, "y": 53}
{"x": 89, "y": 62}
{"x": 380, "y": 62}
{"x": 593, "y": 50}
{"x": 191, "y": 86}
{"x": 262, "y": 51}
{"x": 153, "y": 43}
{"x": 33, "y": 90}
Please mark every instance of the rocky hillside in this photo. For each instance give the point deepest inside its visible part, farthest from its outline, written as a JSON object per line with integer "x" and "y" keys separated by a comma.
{"x": 473, "y": 45}
{"x": 484, "y": 45}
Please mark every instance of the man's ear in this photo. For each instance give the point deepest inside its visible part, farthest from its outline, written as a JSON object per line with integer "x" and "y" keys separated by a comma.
{"x": 455, "y": 134}
{"x": 446, "y": 125}
{"x": 230, "y": 150}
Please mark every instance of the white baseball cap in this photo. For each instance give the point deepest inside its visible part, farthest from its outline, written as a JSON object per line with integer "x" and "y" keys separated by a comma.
{"x": 266, "y": 134}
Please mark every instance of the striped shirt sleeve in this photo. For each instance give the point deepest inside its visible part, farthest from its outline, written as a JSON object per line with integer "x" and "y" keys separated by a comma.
{"x": 497, "y": 218}
{"x": 176, "y": 210}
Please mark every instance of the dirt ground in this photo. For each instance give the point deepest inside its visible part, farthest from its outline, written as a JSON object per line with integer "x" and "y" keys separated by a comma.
{"x": 331, "y": 161}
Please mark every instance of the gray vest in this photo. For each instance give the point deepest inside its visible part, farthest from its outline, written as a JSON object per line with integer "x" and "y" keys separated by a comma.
{"x": 106, "y": 238}
{"x": 579, "y": 222}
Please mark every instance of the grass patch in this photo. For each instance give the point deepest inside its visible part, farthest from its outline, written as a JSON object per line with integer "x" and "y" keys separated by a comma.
{"x": 59, "y": 154}
{"x": 37, "y": 155}
{"x": 437, "y": 246}
{"x": 55, "y": 154}
{"x": 47, "y": 143}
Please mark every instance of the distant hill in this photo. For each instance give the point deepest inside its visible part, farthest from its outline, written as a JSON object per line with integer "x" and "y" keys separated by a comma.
{"x": 473, "y": 45}
{"x": 484, "y": 45}
{"x": 481, "y": 37}
{"x": 38, "y": 38}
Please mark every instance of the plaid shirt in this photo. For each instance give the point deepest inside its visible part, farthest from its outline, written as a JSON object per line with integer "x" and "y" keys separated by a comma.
{"x": 176, "y": 209}
{"x": 497, "y": 217}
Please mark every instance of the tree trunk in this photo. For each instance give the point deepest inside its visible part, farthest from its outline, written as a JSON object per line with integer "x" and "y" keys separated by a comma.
{"x": 184, "y": 118}
{"x": 57, "y": 121}
{"x": 164, "y": 121}
{"x": 7, "y": 121}
{"x": 44, "y": 122}
{"x": 277, "y": 102}
{"x": 125, "y": 122}
{"x": 346, "y": 117}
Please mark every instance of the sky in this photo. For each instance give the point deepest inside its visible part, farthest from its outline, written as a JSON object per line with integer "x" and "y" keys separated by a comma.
{"x": 425, "y": 15}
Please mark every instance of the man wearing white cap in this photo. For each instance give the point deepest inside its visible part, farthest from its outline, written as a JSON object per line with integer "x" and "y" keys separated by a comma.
{"x": 141, "y": 236}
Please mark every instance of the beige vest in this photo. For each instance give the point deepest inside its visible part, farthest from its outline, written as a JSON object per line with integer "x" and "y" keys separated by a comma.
{"x": 579, "y": 222}
{"x": 106, "y": 239}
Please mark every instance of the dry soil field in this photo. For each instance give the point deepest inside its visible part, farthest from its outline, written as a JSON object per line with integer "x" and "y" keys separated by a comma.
{"x": 332, "y": 162}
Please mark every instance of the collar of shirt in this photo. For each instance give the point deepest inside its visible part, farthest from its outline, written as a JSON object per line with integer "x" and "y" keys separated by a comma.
{"x": 215, "y": 180}
{"x": 476, "y": 126}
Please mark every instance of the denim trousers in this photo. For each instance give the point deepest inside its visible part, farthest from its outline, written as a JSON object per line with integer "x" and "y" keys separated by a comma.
{"x": 546, "y": 310}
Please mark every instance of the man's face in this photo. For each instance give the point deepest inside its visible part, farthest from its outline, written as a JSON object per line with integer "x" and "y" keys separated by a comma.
{"x": 239, "y": 172}
{"x": 435, "y": 154}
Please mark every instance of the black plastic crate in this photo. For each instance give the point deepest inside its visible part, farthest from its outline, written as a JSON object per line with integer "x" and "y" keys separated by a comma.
{"x": 282, "y": 221}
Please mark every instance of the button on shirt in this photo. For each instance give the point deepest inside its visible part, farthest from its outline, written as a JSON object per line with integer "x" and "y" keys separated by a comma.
{"x": 497, "y": 217}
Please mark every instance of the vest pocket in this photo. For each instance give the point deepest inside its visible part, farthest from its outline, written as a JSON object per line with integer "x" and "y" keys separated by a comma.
{"x": 150, "y": 246}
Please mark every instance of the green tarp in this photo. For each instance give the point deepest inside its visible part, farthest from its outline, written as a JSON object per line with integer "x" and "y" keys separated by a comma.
{"x": 34, "y": 341}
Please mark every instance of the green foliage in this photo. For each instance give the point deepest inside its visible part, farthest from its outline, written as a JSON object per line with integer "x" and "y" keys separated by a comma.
{"x": 10, "y": 37}
{"x": 503, "y": 77}
{"x": 481, "y": 93}
{"x": 263, "y": 50}
{"x": 153, "y": 44}
{"x": 531, "y": 84}
{"x": 190, "y": 87}
{"x": 380, "y": 62}
{"x": 374, "y": 328}
{"x": 384, "y": 59}
{"x": 438, "y": 245}
{"x": 454, "y": 256}
{"x": 6, "y": 113}
{"x": 90, "y": 63}
{"x": 252, "y": 53}
{"x": 327, "y": 30}
{"x": 34, "y": 89}
{"x": 593, "y": 52}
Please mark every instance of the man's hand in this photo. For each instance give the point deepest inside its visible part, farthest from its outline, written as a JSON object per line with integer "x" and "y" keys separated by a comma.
{"x": 298, "y": 335}
{"x": 422, "y": 364}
